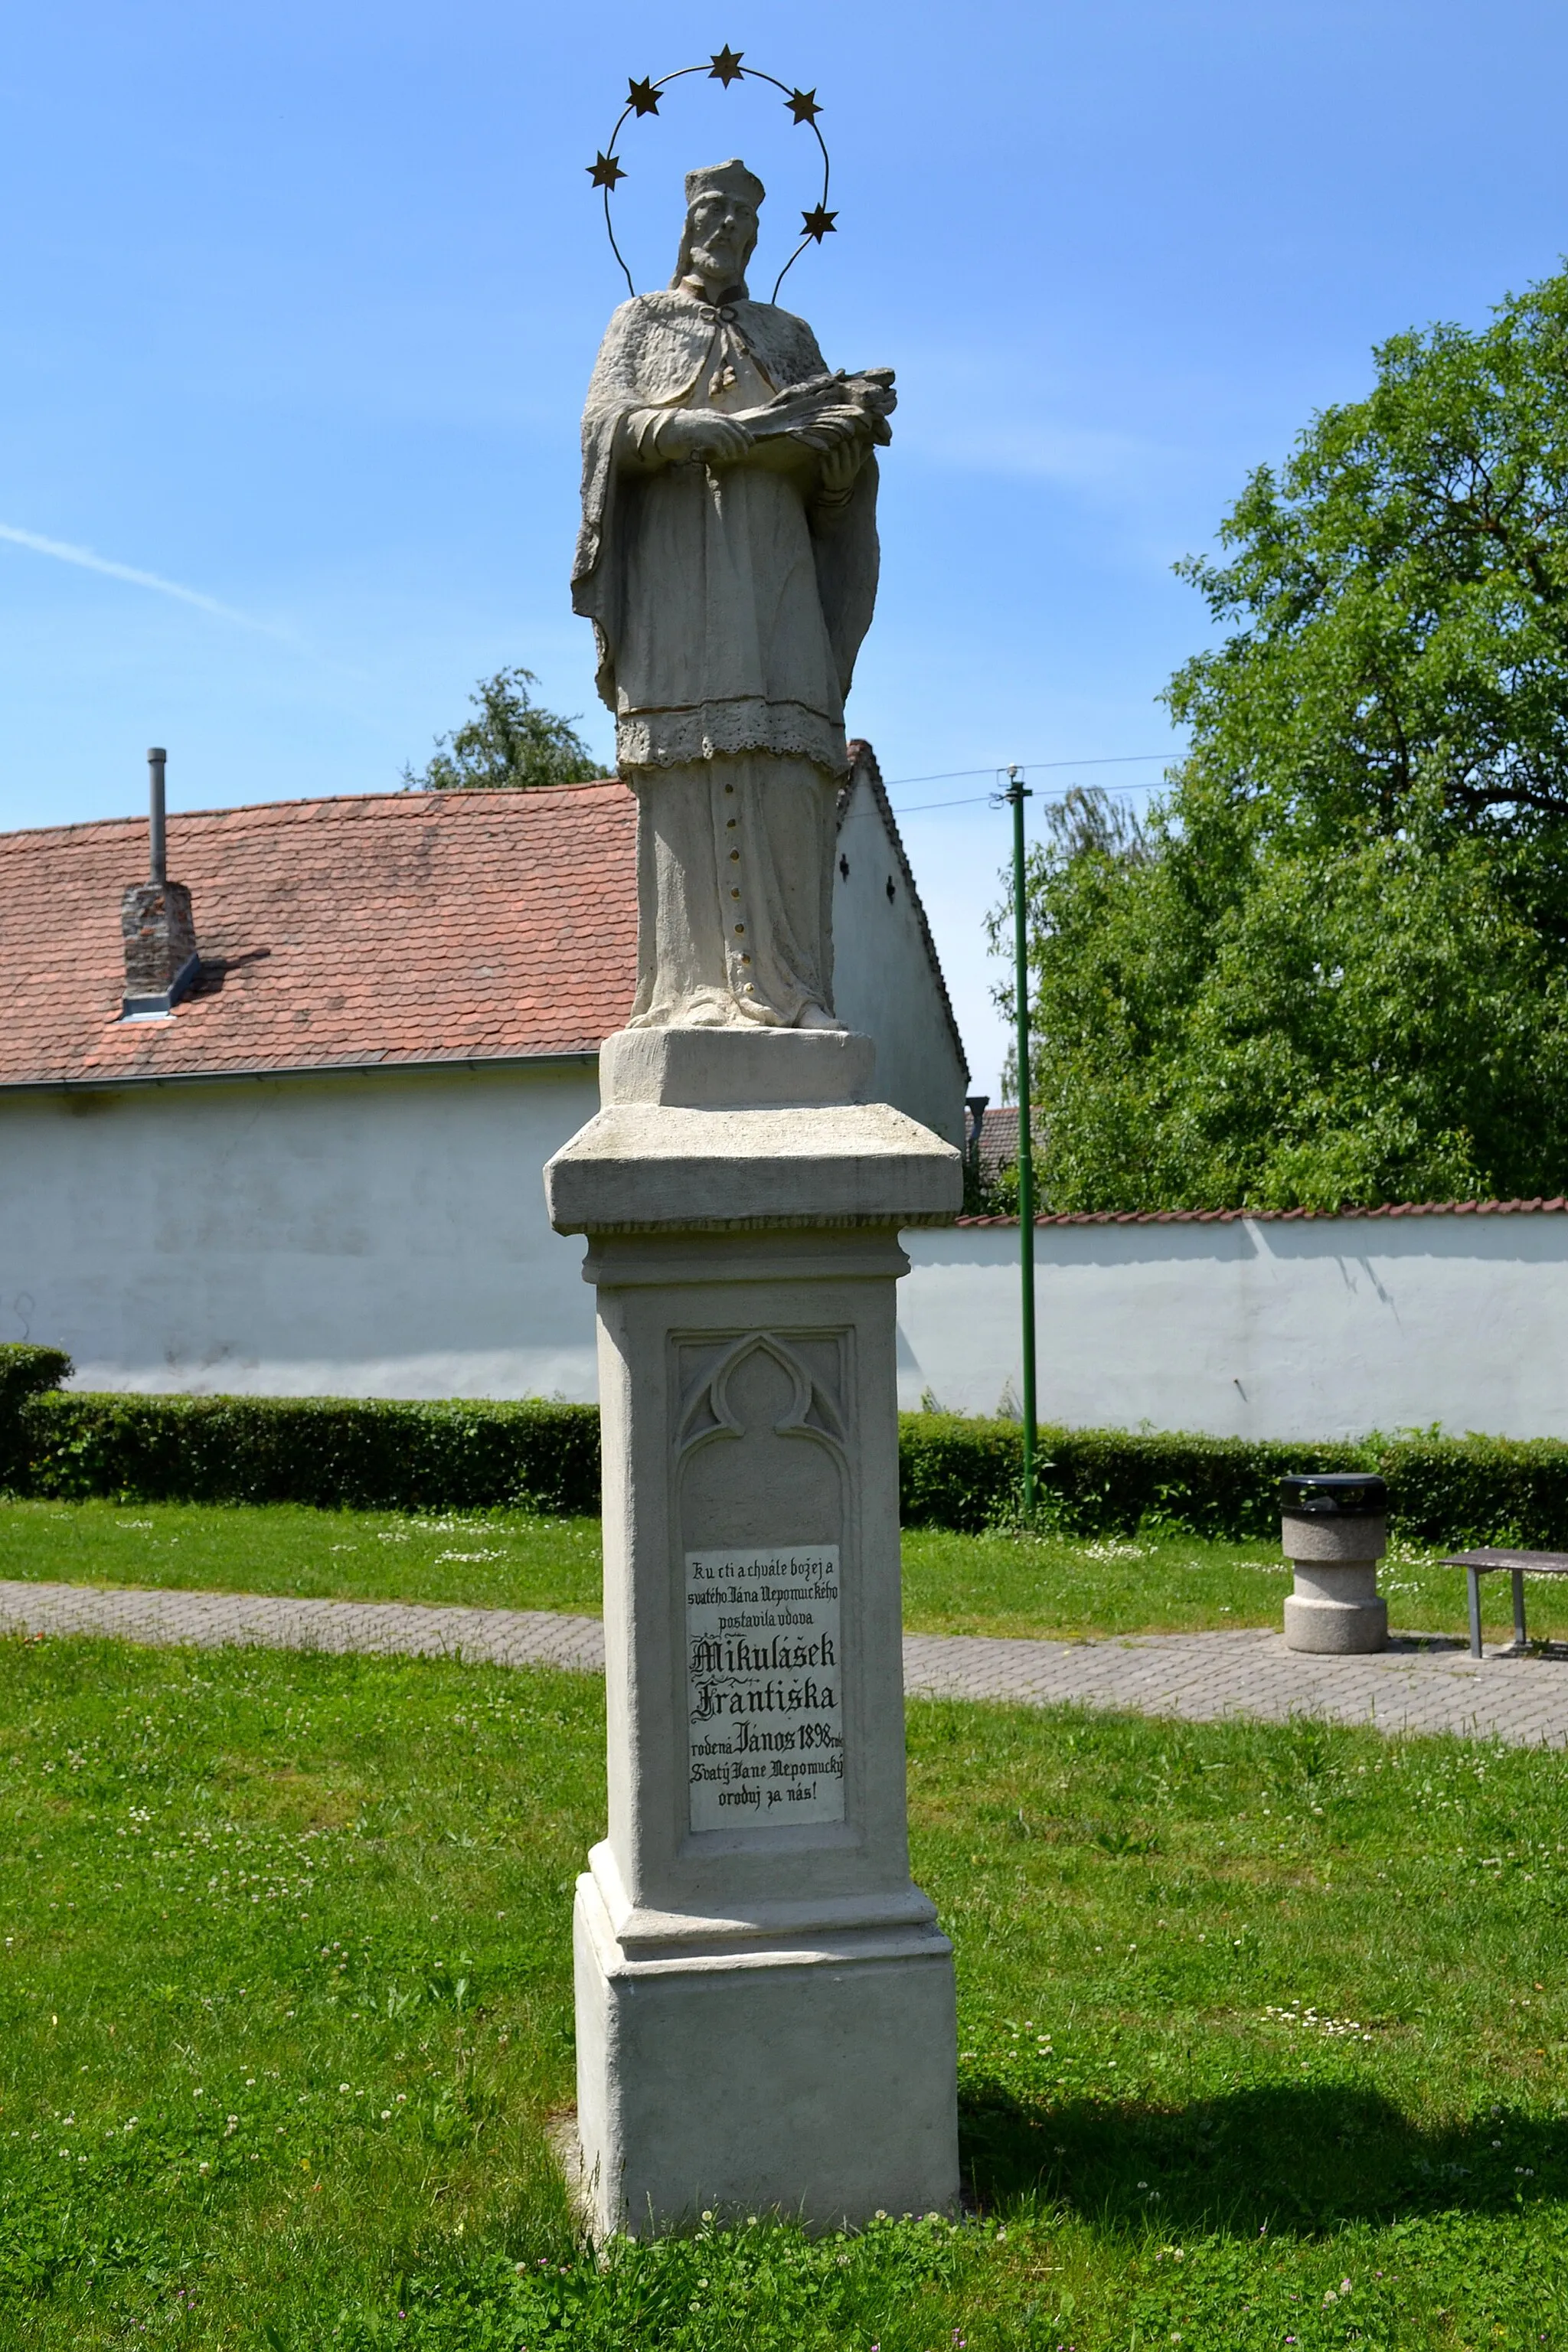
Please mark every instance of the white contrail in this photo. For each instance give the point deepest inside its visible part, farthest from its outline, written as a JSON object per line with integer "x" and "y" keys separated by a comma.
{"x": 62, "y": 550}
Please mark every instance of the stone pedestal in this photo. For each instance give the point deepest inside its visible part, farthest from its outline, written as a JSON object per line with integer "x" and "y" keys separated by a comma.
{"x": 764, "y": 2001}
{"x": 1334, "y": 1531}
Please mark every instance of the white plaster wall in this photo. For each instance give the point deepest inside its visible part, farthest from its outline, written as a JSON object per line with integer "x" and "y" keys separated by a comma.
{"x": 1327, "y": 1328}
{"x": 386, "y": 1237}
{"x": 883, "y": 984}
{"x": 367, "y": 1236}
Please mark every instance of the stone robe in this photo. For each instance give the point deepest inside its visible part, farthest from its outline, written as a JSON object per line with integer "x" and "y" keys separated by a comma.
{"x": 729, "y": 603}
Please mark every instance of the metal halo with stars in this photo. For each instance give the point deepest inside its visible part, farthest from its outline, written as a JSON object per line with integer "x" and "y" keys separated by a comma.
{"x": 724, "y": 67}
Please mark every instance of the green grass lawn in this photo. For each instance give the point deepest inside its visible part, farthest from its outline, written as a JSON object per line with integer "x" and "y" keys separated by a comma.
{"x": 1154, "y": 1582}
{"x": 1264, "y": 2030}
{"x": 503, "y": 1559}
{"x": 1163, "y": 1582}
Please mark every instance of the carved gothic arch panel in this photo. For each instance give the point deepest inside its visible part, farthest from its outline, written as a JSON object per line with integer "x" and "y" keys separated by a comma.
{"x": 760, "y": 1449}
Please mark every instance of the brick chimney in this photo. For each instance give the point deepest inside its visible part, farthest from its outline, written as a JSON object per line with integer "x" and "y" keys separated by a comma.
{"x": 161, "y": 959}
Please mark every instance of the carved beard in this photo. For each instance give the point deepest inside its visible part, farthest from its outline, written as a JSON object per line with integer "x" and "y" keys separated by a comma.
{"x": 700, "y": 260}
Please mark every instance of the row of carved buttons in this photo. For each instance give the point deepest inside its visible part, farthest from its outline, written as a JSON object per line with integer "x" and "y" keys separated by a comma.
{"x": 731, "y": 825}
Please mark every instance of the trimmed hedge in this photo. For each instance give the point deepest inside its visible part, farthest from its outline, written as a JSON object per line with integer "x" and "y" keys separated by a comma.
{"x": 327, "y": 1451}
{"x": 958, "y": 1473}
{"x": 25, "y": 1371}
{"x": 968, "y": 1474}
{"x": 1456, "y": 1492}
{"x": 1460, "y": 1492}
{"x": 954, "y": 1472}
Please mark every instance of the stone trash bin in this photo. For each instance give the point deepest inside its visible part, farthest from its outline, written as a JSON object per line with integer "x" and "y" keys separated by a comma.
{"x": 1334, "y": 1528}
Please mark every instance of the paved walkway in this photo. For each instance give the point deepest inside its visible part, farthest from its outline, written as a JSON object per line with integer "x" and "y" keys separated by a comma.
{"x": 501, "y": 1637}
{"x": 1417, "y": 1685}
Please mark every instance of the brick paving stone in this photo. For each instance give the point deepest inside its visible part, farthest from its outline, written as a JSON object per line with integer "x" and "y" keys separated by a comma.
{"x": 1417, "y": 1684}
{"x": 510, "y": 1637}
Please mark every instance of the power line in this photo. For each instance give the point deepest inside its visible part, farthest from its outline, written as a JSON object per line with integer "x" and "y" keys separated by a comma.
{"x": 999, "y": 767}
{"x": 975, "y": 800}
{"x": 988, "y": 800}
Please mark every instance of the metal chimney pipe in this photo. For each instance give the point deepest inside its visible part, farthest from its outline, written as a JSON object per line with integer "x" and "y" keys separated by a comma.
{"x": 157, "y": 841}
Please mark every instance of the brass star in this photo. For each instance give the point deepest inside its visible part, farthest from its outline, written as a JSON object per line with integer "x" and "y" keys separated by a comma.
{"x": 820, "y": 224}
{"x": 605, "y": 171}
{"x": 727, "y": 65}
{"x": 802, "y": 105}
{"x": 643, "y": 97}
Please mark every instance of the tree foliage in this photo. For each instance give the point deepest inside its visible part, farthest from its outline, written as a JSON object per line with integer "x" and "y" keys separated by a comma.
{"x": 511, "y": 745}
{"x": 1332, "y": 964}
{"x": 1402, "y": 590}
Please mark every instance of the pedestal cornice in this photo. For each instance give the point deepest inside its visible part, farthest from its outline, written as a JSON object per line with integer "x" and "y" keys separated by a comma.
{"x": 656, "y": 1167}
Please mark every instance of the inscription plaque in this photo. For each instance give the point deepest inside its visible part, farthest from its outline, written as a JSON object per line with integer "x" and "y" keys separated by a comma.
{"x": 763, "y": 1687}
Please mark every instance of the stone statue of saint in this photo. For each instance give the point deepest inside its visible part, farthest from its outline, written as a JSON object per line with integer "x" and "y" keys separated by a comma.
{"x": 728, "y": 562}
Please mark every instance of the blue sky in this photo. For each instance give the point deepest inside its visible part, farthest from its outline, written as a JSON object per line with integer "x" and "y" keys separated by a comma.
{"x": 298, "y": 301}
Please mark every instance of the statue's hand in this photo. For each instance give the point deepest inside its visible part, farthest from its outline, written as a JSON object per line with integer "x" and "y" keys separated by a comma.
{"x": 839, "y": 466}
{"x": 832, "y": 426}
{"x": 703, "y": 433}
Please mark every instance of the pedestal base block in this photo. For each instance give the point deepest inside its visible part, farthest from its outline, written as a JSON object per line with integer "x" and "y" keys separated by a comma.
{"x": 812, "y": 2078}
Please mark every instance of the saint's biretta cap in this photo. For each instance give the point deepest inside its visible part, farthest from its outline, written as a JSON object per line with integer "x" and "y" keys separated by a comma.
{"x": 731, "y": 179}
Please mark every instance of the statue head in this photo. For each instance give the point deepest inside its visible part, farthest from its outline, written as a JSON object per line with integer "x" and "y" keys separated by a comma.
{"x": 722, "y": 200}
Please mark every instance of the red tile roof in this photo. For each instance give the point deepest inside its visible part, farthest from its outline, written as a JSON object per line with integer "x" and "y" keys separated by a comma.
{"x": 377, "y": 929}
{"x": 998, "y": 1144}
{"x": 1538, "y": 1207}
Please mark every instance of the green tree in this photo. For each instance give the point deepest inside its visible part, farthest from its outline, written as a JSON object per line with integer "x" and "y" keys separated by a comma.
{"x": 1402, "y": 592}
{"x": 1331, "y": 966}
{"x": 511, "y": 745}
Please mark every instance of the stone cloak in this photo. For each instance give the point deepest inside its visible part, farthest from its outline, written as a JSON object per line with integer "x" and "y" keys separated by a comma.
{"x": 653, "y": 354}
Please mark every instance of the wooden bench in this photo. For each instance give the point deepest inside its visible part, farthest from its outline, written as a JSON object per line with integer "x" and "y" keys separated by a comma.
{"x": 1519, "y": 1564}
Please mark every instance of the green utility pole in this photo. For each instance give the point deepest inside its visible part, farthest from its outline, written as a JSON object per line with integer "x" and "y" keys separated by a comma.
{"x": 1015, "y": 795}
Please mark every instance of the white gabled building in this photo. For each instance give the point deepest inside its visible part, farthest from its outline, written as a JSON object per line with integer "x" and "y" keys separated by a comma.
{"x": 319, "y": 1173}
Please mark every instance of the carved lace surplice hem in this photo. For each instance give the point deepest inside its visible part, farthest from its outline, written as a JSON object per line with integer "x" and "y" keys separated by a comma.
{"x": 674, "y": 739}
